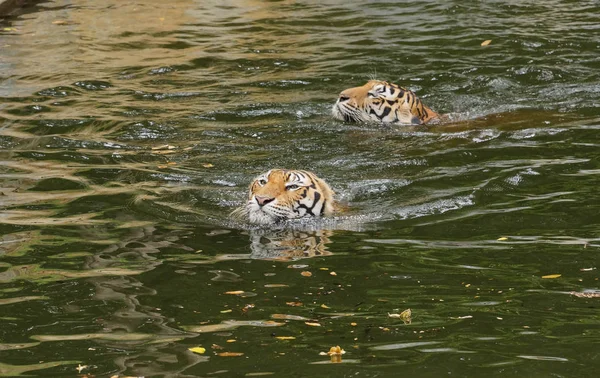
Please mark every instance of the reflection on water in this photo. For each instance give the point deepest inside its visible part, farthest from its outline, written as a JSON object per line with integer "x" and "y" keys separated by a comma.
{"x": 128, "y": 132}
{"x": 289, "y": 244}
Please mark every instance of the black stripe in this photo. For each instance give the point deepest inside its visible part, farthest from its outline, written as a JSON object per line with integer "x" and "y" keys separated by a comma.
{"x": 310, "y": 209}
{"x": 386, "y": 111}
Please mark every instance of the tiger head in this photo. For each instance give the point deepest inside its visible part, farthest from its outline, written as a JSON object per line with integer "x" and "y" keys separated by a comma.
{"x": 380, "y": 101}
{"x": 280, "y": 194}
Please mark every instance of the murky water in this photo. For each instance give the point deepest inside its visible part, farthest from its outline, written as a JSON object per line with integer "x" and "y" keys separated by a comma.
{"x": 129, "y": 131}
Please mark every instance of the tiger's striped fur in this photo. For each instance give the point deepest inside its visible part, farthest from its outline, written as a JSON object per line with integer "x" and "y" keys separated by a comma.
{"x": 380, "y": 101}
{"x": 281, "y": 194}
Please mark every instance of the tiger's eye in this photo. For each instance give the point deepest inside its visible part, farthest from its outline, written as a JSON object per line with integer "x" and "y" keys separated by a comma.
{"x": 262, "y": 182}
{"x": 292, "y": 187}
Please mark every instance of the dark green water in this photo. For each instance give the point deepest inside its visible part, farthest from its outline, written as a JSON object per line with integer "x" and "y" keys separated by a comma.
{"x": 117, "y": 256}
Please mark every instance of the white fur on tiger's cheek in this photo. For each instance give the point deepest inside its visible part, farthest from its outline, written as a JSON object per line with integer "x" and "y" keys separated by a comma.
{"x": 335, "y": 111}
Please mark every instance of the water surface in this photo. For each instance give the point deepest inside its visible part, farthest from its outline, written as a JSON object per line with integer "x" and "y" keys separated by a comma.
{"x": 129, "y": 131}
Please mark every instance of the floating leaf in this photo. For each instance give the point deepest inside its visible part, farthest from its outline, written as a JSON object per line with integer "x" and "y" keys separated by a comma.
{"x": 353, "y": 324}
{"x": 285, "y": 337}
{"x": 235, "y": 292}
{"x": 335, "y": 353}
{"x": 207, "y": 165}
{"x": 294, "y": 304}
{"x": 552, "y": 276}
{"x": 502, "y": 238}
{"x": 198, "y": 350}
{"x": 333, "y": 273}
{"x": 312, "y": 324}
{"x": 586, "y": 269}
{"x": 486, "y": 42}
{"x": 231, "y": 340}
{"x": 276, "y": 285}
{"x": 288, "y": 317}
{"x": 226, "y": 311}
{"x": 306, "y": 273}
{"x": 230, "y": 354}
{"x": 323, "y": 268}
{"x": 59, "y": 22}
{"x": 80, "y": 367}
{"x": 163, "y": 147}
{"x": 324, "y": 306}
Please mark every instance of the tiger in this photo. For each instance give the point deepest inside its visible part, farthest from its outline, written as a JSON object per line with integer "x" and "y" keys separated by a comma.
{"x": 381, "y": 101}
{"x": 282, "y": 194}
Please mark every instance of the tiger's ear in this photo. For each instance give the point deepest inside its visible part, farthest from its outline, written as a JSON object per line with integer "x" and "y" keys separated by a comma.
{"x": 415, "y": 120}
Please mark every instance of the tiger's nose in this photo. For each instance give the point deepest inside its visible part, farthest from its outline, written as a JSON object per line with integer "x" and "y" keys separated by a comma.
{"x": 262, "y": 201}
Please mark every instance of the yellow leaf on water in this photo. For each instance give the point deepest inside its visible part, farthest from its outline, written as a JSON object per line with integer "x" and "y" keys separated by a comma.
{"x": 312, "y": 324}
{"x": 235, "y": 292}
{"x": 285, "y": 337}
{"x": 226, "y": 311}
{"x": 324, "y": 306}
{"x": 231, "y": 340}
{"x": 502, "y": 238}
{"x": 333, "y": 273}
{"x": 486, "y": 42}
{"x": 552, "y": 276}
{"x": 198, "y": 350}
{"x": 230, "y": 354}
{"x": 207, "y": 165}
{"x": 306, "y": 273}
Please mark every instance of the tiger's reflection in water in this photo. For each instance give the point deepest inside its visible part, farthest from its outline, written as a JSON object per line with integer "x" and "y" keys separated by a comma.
{"x": 289, "y": 244}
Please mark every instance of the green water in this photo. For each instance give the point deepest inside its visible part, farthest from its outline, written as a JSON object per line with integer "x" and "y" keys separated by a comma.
{"x": 116, "y": 252}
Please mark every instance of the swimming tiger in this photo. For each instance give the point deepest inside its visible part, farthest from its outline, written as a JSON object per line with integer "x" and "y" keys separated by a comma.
{"x": 281, "y": 194}
{"x": 380, "y": 101}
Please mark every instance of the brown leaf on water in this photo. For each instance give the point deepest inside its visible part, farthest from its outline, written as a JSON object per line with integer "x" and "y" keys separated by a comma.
{"x": 235, "y": 292}
{"x": 306, "y": 273}
{"x": 550, "y": 276}
{"x": 276, "y": 285}
{"x": 294, "y": 304}
{"x": 230, "y": 354}
{"x": 164, "y": 152}
{"x": 312, "y": 324}
{"x": 405, "y": 315}
{"x": 486, "y": 42}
